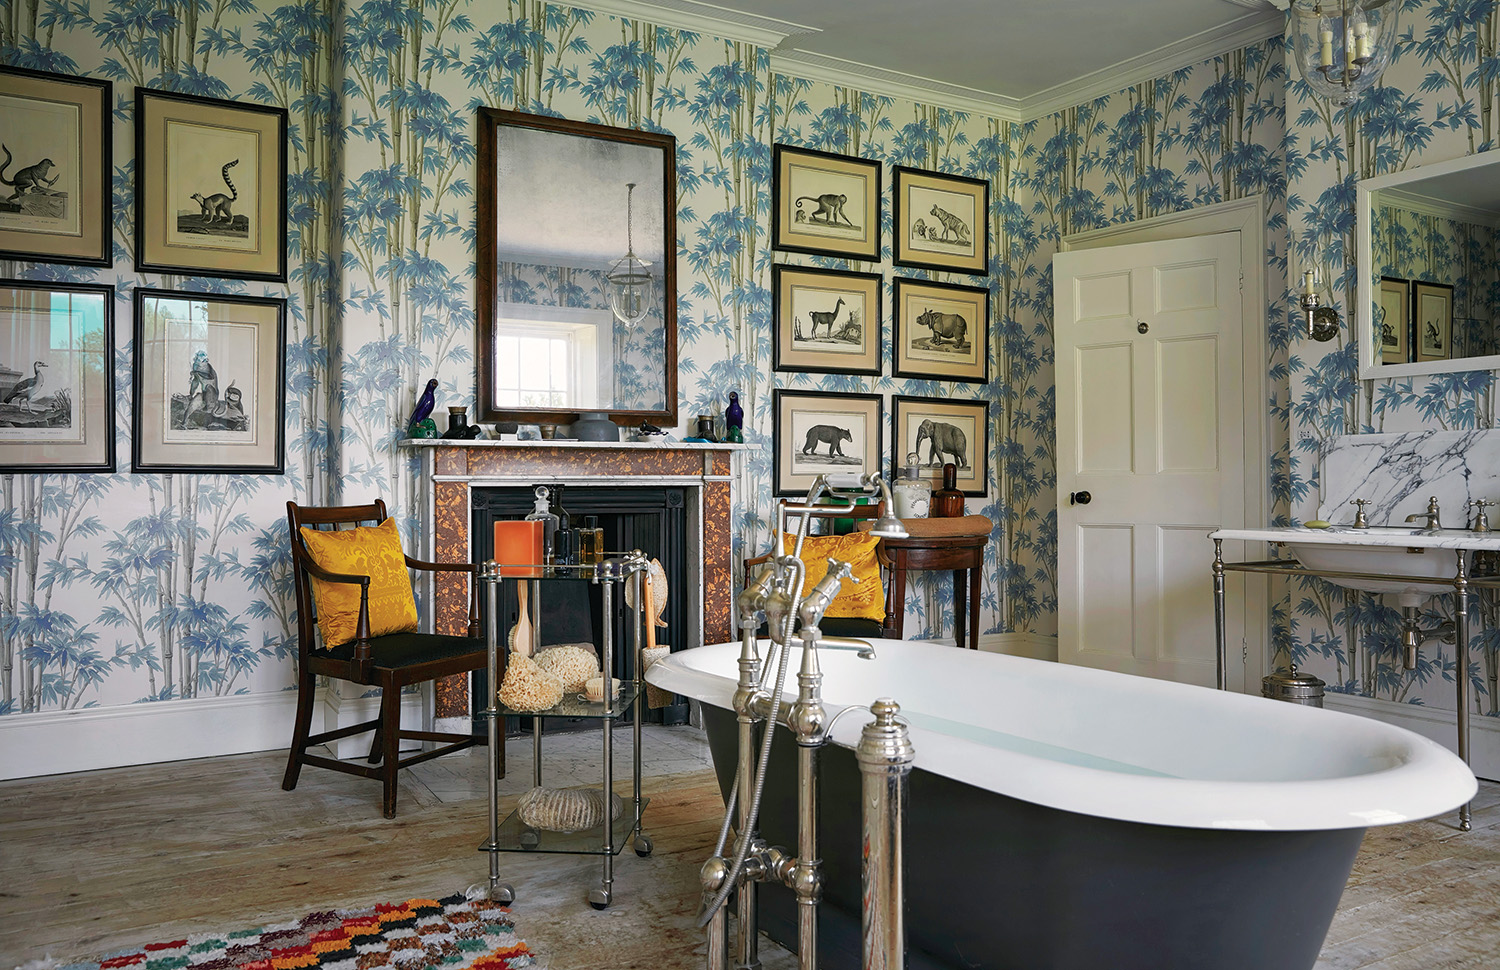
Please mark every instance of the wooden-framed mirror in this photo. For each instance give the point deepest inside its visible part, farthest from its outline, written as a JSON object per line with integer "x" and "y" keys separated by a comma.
{"x": 557, "y": 214}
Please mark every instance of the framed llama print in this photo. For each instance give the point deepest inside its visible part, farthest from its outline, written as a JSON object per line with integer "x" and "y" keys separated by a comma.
{"x": 210, "y": 191}
{"x": 825, "y": 204}
{"x": 822, "y": 433}
{"x": 210, "y": 393}
{"x": 941, "y": 431}
{"x": 942, "y": 221}
{"x": 1432, "y": 319}
{"x": 942, "y": 331}
{"x": 55, "y": 200}
{"x": 57, "y": 387}
{"x": 825, "y": 321}
{"x": 1393, "y": 320}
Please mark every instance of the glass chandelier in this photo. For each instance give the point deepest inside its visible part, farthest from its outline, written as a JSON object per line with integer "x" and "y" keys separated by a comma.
{"x": 1342, "y": 46}
{"x": 632, "y": 289}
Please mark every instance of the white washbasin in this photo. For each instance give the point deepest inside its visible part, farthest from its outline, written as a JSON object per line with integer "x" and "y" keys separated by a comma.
{"x": 1416, "y": 572}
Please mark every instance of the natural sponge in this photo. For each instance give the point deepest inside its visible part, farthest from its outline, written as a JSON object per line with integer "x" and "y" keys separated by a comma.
{"x": 566, "y": 809}
{"x": 571, "y": 664}
{"x": 527, "y": 687}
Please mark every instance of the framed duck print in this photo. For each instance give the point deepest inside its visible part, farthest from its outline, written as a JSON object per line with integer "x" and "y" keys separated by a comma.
{"x": 942, "y": 332}
{"x": 941, "y": 431}
{"x": 942, "y": 221}
{"x": 825, "y": 204}
{"x": 210, "y": 393}
{"x": 823, "y": 433}
{"x": 210, "y": 187}
{"x": 825, "y": 321}
{"x": 55, "y": 201}
{"x": 57, "y": 388}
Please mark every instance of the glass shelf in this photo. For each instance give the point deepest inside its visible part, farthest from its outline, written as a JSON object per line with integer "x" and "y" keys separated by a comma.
{"x": 517, "y": 836}
{"x": 614, "y": 568}
{"x": 576, "y": 705}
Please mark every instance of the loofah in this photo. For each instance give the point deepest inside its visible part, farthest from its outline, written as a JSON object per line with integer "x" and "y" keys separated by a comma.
{"x": 572, "y": 665}
{"x": 528, "y": 687}
{"x": 566, "y": 809}
{"x": 655, "y": 697}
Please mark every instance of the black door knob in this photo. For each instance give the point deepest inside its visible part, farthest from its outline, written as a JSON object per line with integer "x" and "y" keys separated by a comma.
{"x": 1079, "y": 498}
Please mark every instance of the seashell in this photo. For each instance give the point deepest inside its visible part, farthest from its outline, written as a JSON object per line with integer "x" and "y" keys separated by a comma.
{"x": 657, "y": 576}
{"x": 527, "y": 687}
{"x": 566, "y": 809}
{"x": 570, "y": 664}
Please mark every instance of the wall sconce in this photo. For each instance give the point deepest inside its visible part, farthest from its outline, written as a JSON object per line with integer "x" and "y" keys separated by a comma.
{"x": 1322, "y": 320}
{"x": 1343, "y": 46}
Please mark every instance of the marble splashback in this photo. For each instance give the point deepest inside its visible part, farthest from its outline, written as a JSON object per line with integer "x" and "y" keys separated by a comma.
{"x": 1398, "y": 472}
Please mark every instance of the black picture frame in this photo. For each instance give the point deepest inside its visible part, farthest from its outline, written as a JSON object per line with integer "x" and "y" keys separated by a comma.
{"x": 79, "y": 357}
{"x": 1431, "y": 320}
{"x": 914, "y": 354}
{"x": 180, "y": 141}
{"x": 804, "y": 174}
{"x": 921, "y": 236}
{"x": 969, "y": 417}
{"x": 208, "y": 429}
{"x": 865, "y": 355}
{"x": 804, "y": 421}
{"x": 73, "y": 117}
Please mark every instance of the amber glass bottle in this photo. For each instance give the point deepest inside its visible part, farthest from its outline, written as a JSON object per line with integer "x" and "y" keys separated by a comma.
{"x": 948, "y": 501}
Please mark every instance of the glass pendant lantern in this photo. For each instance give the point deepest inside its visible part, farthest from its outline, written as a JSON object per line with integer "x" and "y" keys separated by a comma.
{"x": 632, "y": 288}
{"x": 1342, "y": 46}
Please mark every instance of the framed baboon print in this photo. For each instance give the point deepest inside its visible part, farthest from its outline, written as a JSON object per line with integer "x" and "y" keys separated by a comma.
{"x": 825, "y": 321}
{"x": 825, "y": 204}
{"x": 210, "y": 187}
{"x": 942, "y": 221}
{"x": 941, "y": 431}
{"x": 823, "y": 433}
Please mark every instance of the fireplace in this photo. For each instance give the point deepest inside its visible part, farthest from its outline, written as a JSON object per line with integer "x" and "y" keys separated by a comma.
{"x": 458, "y": 474}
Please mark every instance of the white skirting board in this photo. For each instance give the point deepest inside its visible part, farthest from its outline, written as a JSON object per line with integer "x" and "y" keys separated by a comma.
{"x": 59, "y": 742}
{"x": 1032, "y": 645}
{"x": 1431, "y": 722}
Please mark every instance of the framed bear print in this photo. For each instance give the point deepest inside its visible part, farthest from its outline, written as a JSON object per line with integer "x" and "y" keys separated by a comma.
{"x": 823, "y": 433}
{"x": 940, "y": 431}
{"x": 824, "y": 204}
{"x": 210, "y": 187}
{"x": 942, "y": 221}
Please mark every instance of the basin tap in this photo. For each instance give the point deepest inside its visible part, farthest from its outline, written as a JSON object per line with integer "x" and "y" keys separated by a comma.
{"x": 1360, "y": 522}
{"x": 1481, "y": 521}
{"x": 1431, "y": 515}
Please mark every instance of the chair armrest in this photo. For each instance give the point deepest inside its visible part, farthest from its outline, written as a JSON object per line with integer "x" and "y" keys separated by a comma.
{"x": 329, "y": 577}
{"x": 441, "y": 567}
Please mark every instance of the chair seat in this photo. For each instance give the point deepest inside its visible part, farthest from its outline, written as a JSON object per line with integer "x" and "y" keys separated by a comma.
{"x": 396, "y": 650}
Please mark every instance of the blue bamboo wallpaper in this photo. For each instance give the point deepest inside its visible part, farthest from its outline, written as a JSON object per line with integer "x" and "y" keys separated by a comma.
{"x": 128, "y": 588}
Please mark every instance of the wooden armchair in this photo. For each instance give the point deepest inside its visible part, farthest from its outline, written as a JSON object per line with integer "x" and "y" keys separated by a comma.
{"x": 390, "y": 661}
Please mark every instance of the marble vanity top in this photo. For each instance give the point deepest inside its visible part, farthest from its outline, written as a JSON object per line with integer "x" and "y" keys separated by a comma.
{"x": 1343, "y": 535}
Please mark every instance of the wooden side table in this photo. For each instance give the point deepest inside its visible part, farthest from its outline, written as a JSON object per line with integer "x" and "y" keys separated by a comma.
{"x": 962, "y": 554}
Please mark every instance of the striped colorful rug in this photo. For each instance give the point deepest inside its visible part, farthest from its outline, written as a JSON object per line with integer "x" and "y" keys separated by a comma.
{"x": 453, "y": 933}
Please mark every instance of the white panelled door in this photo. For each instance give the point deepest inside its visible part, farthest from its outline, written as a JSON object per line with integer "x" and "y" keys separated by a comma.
{"x": 1150, "y": 451}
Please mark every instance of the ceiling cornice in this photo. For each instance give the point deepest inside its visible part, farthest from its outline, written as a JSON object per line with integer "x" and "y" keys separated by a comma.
{"x": 1426, "y": 205}
{"x": 702, "y": 18}
{"x": 812, "y": 66}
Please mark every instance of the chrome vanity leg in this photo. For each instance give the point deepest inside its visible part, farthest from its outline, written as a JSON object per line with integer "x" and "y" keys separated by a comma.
{"x": 600, "y": 898}
{"x": 1461, "y": 627}
{"x": 1221, "y": 674}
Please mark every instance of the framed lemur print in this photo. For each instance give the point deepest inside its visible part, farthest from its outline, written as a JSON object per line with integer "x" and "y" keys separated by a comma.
{"x": 210, "y": 187}
{"x": 825, "y": 204}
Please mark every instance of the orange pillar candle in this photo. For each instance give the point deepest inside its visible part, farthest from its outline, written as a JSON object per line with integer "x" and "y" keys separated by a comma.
{"x": 518, "y": 542}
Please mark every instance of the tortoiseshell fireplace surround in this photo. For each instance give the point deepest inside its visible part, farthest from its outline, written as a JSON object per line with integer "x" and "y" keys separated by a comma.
{"x": 451, "y": 469}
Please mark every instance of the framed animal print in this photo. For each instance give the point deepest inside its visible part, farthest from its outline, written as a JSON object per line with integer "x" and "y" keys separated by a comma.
{"x": 823, "y": 433}
{"x": 210, "y": 187}
{"x": 825, "y": 204}
{"x": 826, "y": 321}
{"x": 1393, "y": 320}
{"x": 57, "y": 385}
{"x": 942, "y": 331}
{"x": 55, "y": 201}
{"x": 941, "y": 431}
{"x": 210, "y": 389}
{"x": 942, "y": 221}
{"x": 1432, "y": 319}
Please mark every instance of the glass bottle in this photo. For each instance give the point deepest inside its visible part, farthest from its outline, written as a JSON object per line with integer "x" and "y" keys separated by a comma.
{"x": 564, "y": 545}
{"x": 911, "y": 493}
{"x": 948, "y": 501}
{"x": 591, "y": 540}
{"x": 541, "y": 513}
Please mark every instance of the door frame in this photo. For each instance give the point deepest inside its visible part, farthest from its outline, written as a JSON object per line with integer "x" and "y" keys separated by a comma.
{"x": 1248, "y": 217}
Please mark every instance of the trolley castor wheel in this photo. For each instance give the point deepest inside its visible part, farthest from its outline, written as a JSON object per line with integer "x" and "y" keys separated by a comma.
{"x": 503, "y": 893}
{"x": 599, "y": 898}
{"x": 643, "y": 845}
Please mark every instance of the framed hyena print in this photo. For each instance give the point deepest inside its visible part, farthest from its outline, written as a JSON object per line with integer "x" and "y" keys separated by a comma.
{"x": 942, "y": 221}
{"x": 825, "y": 204}
{"x": 825, "y": 321}
{"x": 823, "y": 433}
{"x": 210, "y": 191}
{"x": 55, "y": 167}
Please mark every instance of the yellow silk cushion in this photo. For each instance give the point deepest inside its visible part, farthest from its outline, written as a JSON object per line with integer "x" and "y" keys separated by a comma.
{"x": 866, "y": 599}
{"x": 373, "y": 551}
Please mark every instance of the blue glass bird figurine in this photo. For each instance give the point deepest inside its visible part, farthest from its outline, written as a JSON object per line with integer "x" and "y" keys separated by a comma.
{"x": 424, "y": 404}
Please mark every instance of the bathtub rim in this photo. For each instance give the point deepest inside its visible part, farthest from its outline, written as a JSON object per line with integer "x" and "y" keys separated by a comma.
{"x": 1429, "y": 780}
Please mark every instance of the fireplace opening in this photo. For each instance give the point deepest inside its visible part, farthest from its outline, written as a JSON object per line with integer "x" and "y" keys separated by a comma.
{"x": 650, "y": 518}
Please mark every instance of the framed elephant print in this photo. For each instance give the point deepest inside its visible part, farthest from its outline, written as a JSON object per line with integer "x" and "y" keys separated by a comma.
{"x": 942, "y": 221}
{"x": 942, "y": 331}
{"x": 823, "y": 433}
{"x": 940, "y": 431}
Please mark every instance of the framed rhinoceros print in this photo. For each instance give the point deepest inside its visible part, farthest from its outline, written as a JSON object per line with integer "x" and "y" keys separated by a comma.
{"x": 941, "y": 431}
{"x": 823, "y": 433}
{"x": 941, "y": 221}
{"x": 942, "y": 331}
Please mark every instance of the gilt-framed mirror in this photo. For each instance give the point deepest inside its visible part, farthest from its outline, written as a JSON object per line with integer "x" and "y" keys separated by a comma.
{"x": 563, "y": 207}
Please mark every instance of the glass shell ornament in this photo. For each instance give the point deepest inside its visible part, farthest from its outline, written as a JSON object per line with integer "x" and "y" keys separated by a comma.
{"x": 632, "y": 288}
{"x": 912, "y": 494}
